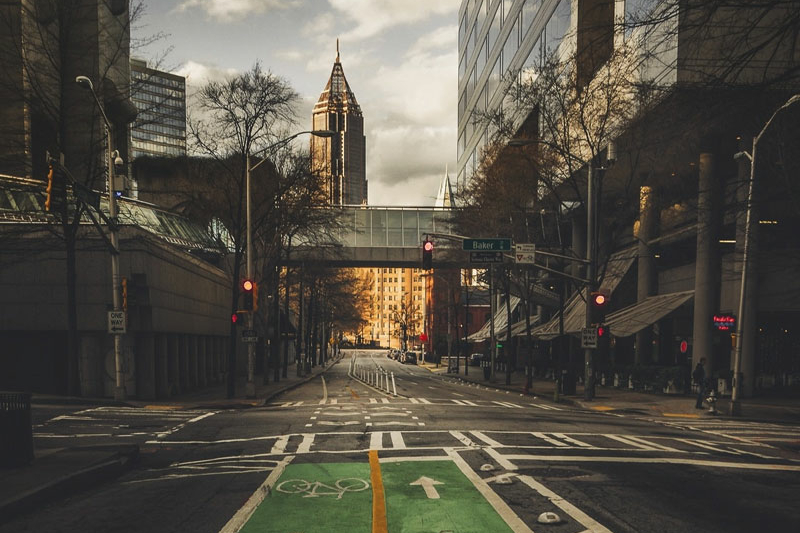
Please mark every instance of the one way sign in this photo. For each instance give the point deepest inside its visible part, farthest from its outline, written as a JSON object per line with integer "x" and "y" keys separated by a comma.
{"x": 116, "y": 322}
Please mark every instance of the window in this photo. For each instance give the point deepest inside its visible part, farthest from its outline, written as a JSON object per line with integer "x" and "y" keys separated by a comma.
{"x": 529, "y": 11}
{"x": 558, "y": 26}
{"x": 510, "y": 48}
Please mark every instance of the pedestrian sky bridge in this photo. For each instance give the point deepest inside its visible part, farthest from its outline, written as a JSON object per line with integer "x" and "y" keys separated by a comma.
{"x": 375, "y": 236}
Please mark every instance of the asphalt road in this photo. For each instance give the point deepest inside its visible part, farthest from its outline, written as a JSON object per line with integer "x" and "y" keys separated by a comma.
{"x": 338, "y": 455}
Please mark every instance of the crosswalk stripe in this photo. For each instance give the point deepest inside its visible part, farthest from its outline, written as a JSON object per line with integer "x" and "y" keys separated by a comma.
{"x": 546, "y": 407}
{"x": 280, "y": 444}
{"x": 373, "y": 400}
{"x": 397, "y": 440}
{"x": 305, "y": 446}
{"x": 572, "y": 440}
{"x": 376, "y": 440}
{"x": 473, "y": 404}
{"x": 423, "y": 400}
{"x": 547, "y": 439}
{"x": 507, "y": 404}
{"x": 414, "y": 400}
{"x": 704, "y": 445}
{"x": 487, "y": 440}
{"x": 463, "y": 439}
{"x": 385, "y": 400}
{"x": 458, "y": 402}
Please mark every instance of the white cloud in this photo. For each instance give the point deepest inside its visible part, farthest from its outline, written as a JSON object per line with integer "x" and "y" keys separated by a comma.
{"x": 374, "y": 16}
{"x": 198, "y": 74}
{"x": 227, "y": 10}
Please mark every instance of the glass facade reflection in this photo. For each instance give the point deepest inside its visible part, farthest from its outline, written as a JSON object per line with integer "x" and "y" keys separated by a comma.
{"x": 160, "y": 99}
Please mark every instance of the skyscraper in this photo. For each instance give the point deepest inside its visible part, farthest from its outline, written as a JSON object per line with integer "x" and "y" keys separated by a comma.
{"x": 341, "y": 160}
{"x": 160, "y": 98}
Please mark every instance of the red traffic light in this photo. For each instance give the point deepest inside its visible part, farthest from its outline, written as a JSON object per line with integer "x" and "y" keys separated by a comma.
{"x": 234, "y": 318}
{"x": 599, "y": 299}
{"x": 247, "y": 285}
{"x": 427, "y": 246}
{"x": 601, "y": 331}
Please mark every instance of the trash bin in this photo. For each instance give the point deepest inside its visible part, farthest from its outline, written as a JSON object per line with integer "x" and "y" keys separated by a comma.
{"x": 16, "y": 431}
{"x": 487, "y": 369}
{"x": 567, "y": 383}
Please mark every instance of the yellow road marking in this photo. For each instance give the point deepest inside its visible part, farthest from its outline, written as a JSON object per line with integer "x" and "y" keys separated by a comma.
{"x": 353, "y": 392}
{"x": 602, "y": 408}
{"x": 378, "y": 501}
{"x": 681, "y": 415}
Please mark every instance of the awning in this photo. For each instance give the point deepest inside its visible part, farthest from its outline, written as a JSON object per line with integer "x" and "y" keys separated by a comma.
{"x": 574, "y": 313}
{"x": 638, "y": 316}
{"x": 519, "y": 329}
{"x": 575, "y": 308}
{"x": 500, "y": 323}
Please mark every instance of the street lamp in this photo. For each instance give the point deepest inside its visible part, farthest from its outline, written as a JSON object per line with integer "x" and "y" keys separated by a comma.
{"x": 250, "y": 388}
{"x": 590, "y": 245}
{"x": 735, "y": 408}
{"x": 113, "y": 160}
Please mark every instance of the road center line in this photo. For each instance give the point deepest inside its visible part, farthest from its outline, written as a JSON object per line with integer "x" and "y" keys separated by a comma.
{"x": 379, "y": 524}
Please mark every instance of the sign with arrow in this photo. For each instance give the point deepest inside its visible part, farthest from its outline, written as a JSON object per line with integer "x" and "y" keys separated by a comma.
{"x": 428, "y": 485}
{"x": 525, "y": 254}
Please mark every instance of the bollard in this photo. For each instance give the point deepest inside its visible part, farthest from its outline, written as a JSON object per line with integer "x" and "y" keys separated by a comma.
{"x": 394, "y": 386}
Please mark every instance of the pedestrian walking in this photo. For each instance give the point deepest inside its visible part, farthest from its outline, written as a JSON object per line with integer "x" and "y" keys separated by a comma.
{"x": 699, "y": 378}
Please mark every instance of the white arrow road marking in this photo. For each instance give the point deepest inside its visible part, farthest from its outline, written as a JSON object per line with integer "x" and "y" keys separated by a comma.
{"x": 428, "y": 485}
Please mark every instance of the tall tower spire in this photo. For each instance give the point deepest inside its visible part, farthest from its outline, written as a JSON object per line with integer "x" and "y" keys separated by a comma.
{"x": 340, "y": 160}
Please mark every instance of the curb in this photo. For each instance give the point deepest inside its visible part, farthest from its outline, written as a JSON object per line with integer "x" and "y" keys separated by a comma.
{"x": 106, "y": 469}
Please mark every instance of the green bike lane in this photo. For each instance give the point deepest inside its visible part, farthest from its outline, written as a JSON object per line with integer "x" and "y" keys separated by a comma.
{"x": 415, "y": 495}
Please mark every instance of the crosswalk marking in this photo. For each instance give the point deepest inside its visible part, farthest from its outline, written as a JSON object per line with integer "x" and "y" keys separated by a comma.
{"x": 547, "y": 439}
{"x": 463, "y": 439}
{"x": 414, "y": 400}
{"x": 507, "y": 404}
{"x": 397, "y": 440}
{"x": 572, "y": 440}
{"x": 487, "y": 440}
{"x": 376, "y": 440}
{"x": 280, "y": 445}
{"x": 545, "y": 407}
{"x": 305, "y": 446}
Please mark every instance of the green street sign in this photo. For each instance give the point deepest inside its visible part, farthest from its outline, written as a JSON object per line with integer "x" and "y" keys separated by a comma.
{"x": 487, "y": 245}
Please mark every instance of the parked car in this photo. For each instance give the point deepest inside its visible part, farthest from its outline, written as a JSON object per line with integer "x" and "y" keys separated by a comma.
{"x": 475, "y": 359}
{"x": 409, "y": 358}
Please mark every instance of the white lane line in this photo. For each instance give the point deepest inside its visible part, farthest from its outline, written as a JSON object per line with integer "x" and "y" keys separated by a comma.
{"x": 397, "y": 440}
{"x": 549, "y": 440}
{"x": 571, "y": 440}
{"x": 705, "y": 445}
{"x": 630, "y": 442}
{"x": 280, "y": 445}
{"x": 502, "y": 460}
{"x": 582, "y": 518}
{"x": 463, "y": 439}
{"x": 653, "y": 460}
{"x": 305, "y": 446}
{"x": 545, "y": 407}
{"x": 507, "y": 404}
{"x": 486, "y": 440}
{"x": 334, "y": 423}
{"x": 468, "y": 402}
{"x": 376, "y": 441}
{"x": 514, "y": 522}
{"x": 181, "y": 426}
{"x": 414, "y": 400}
{"x": 324, "y": 391}
{"x": 237, "y": 522}
{"x": 373, "y": 400}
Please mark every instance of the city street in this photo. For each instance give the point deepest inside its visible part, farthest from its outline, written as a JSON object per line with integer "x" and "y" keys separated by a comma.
{"x": 336, "y": 454}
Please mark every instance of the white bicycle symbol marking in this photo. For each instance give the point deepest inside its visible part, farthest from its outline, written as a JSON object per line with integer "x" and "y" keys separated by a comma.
{"x": 317, "y": 488}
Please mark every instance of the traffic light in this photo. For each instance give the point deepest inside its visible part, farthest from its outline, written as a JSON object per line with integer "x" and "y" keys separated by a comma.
{"x": 427, "y": 255}
{"x": 238, "y": 318}
{"x": 56, "y": 189}
{"x": 247, "y": 291}
{"x": 599, "y": 306}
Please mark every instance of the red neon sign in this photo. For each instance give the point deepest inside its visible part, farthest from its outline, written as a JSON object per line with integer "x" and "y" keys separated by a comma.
{"x": 724, "y": 322}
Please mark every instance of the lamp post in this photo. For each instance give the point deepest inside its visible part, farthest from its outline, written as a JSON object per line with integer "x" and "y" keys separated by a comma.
{"x": 735, "y": 408}
{"x": 113, "y": 159}
{"x": 591, "y": 215}
{"x": 250, "y": 388}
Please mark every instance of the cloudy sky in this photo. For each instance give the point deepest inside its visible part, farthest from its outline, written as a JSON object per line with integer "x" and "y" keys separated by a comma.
{"x": 399, "y": 56}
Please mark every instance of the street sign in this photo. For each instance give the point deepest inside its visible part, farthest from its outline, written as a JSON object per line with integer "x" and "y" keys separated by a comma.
{"x": 589, "y": 338}
{"x": 116, "y": 322}
{"x": 486, "y": 257}
{"x": 525, "y": 253}
{"x": 487, "y": 245}
{"x": 249, "y": 335}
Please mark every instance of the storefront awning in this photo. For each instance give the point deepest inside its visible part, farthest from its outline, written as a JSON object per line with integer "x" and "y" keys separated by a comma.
{"x": 500, "y": 323}
{"x": 575, "y": 308}
{"x": 638, "y": 316}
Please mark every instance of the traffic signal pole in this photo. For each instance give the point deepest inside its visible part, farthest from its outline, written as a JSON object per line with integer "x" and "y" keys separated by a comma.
{"x": 588, "y": 354}
{"x": 250, "y": 387}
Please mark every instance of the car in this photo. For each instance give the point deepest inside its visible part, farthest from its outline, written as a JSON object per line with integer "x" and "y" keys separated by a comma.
{"x": 409, "y": 358}
{"x": 475, "y": 359}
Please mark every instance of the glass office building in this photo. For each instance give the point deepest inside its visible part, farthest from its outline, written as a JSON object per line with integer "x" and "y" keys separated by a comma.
{"x": 160, "y": 98}
{"x": 499, "y": 42}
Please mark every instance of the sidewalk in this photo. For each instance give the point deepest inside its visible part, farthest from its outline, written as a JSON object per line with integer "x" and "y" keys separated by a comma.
{"x": 56, "y": 472}
{"x": 612, "y": 399}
